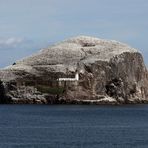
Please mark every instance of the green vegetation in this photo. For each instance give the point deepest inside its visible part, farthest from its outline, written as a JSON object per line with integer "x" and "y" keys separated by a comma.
{"x": 50, "y": 90}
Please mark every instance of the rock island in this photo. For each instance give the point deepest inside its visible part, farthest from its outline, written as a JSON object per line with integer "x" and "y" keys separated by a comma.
{"x": 79, "y": 70}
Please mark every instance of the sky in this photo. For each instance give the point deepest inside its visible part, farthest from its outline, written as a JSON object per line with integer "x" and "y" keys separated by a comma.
{"x": 26, "y": 26}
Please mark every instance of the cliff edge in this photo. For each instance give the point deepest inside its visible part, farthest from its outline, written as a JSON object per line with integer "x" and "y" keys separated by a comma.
{"x": 80, "y": 70}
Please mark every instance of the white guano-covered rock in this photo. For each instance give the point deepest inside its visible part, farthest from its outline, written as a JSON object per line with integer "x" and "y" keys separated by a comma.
{"x": 106, "y": 68}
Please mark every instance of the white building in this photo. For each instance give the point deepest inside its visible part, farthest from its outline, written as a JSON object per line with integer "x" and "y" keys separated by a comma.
{"x": 76, "y": 78}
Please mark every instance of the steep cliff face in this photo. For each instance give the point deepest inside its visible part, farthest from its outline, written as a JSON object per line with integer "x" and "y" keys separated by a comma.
{"x": 109, "y": 72}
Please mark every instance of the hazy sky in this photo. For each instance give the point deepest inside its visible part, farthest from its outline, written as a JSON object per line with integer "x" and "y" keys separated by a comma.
{"x": 28, "y": 25}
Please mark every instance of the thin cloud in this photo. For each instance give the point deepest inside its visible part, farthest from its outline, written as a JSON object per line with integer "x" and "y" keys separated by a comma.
{"x": 10, "y": 42}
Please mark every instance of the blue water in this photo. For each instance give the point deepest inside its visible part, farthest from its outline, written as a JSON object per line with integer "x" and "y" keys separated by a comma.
{"x": 73, "y": 126}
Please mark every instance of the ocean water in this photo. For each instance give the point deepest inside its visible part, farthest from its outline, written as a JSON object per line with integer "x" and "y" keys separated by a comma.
{"x": 73, "y": 126}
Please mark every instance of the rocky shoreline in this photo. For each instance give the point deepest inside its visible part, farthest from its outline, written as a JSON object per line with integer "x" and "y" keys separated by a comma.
{"x": 74, "y": 102}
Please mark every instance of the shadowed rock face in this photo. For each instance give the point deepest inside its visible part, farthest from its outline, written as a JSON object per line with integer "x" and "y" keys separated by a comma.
{"x": 3, "y": 97}
{"x": 2, "y": 93}
{"x": 110, "y": 72}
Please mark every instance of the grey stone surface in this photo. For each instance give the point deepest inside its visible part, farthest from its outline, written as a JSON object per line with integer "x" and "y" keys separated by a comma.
{"x": 110, "y": 73}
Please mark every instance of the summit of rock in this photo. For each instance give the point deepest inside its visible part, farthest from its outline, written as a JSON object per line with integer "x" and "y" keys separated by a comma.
{"x": 83, "y": 49}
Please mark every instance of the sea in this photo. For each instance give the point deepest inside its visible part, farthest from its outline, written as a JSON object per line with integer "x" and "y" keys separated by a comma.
{"x": 73, "y": 126}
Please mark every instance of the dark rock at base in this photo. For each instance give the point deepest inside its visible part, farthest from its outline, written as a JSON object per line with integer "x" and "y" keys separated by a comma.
{"x": 4, "y": 99}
